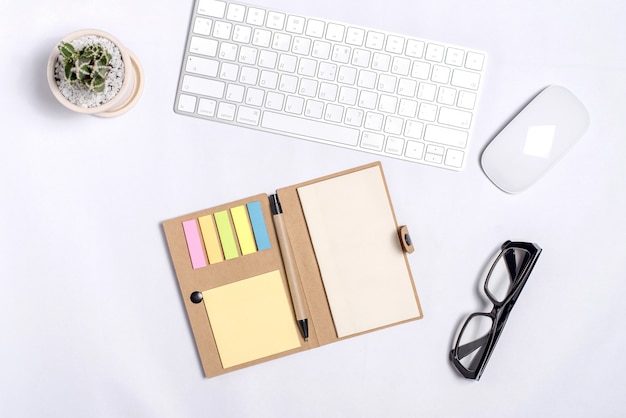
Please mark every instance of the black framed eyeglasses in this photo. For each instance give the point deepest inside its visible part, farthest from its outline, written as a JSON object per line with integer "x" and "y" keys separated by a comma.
{"x": 504, "y": 283}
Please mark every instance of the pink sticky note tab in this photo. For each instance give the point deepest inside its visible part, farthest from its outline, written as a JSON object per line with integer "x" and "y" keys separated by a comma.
{"x": 194, "y": 244}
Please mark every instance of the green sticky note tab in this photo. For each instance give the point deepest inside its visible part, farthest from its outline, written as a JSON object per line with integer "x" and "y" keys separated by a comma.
{"x": 227, "y": 236}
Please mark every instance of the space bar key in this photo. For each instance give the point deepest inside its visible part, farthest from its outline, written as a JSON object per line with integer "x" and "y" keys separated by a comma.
{"x": 310, "y": 129}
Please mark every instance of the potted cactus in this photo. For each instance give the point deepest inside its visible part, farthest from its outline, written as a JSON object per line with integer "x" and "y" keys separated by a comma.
{"x": 91, "y": 72}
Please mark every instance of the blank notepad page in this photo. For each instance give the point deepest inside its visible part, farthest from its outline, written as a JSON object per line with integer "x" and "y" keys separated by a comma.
{"x": 355, "y": 238}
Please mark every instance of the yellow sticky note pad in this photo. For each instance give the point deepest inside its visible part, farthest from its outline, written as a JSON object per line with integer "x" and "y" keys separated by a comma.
{"x": 243, "y": 229}
{"x": 251, "y": 319}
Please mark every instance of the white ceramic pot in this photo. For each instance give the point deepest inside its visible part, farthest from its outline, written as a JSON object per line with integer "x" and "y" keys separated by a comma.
{"x": 129, "y": 92}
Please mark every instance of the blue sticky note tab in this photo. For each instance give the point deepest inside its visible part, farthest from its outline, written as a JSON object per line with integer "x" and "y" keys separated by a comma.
{"x": 258, "y": 225}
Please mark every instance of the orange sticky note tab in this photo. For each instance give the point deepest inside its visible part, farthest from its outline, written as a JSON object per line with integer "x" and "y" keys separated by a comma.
{"x": 211, "y": 240}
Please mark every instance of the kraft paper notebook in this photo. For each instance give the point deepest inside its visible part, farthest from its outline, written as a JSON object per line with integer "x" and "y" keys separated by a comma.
{"x": 324, "y": 259}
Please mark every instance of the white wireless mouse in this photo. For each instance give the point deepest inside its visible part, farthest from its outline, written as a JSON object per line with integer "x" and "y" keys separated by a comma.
{"x": 538, "y": 137}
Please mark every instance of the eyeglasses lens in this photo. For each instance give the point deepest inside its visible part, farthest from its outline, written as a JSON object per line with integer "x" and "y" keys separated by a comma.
{"x": 504, "y": 273}
{"x": 473, "y": 340}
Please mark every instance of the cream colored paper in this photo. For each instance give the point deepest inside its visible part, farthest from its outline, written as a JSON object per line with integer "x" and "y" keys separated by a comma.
{"x": 251, "y": 319}
{"x": 356, "y": 243}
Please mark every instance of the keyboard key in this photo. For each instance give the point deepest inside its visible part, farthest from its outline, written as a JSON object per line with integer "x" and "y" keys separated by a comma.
{"x": 341, "y": 53}
{"x": 281, "y": 41}
{"x": 308, "y": 87}
{"x": 307, "y": 67}
{"x": 347, "y": 75}
{"x": 445, "y": 136}
{"x": 427, "y": 112}
{"x": 454, "y": 158}
{"x": 387, "y": 83}
{"x": 226, "y": 111}
{"x": 287, "y": 63}
{"x": 321, "y": 50}
{"x": 288, "y": 83}
{"x": 393, "y": 125}
{"x": 236, "y": 12}
{"x": 334, "y": 32}
{"x": 414, "y": 149}
{"x": 455, "y": 117}
{"x": 301, "y": 46}
{"x": 234, "y": 93}
{"x": 222, "y": 30}
{"x": 329, "y": 92}
{"x": 206, "y": 107}
{"x": 247, "y": 55}
{"x": 375, "y": 40}
{"x": 249, "y": 76}
{"x": 310, "y": 128}
{"x": 440, "y": 74}
{"x": 314, "y": 109}
{"x": 262, "y": 38}
{"x": 434, "y": 52}
{"x": 202, "y": 26}
{"x": 242, "y": 34}
{"x": 269, "y": 79}
{"x": 465, "y": 79}
{"x": 229, "y": 71}
{"x": 381, "y": 62}
{"x": 348, "y": 95}
{"x": 474, "y": 61}
{"x": 187, "y": 103}
{"x": 374, "y": 121}
{"x": 334, "y": 113}
{"x": 294, "y": 105}
{"x": 211, "y": 8}
{"x": 395, "y": 44}
{"x": 256, "y": 16}
{"x": 295, "y": 24}
{"x": 354, "y": 117}
{"x": 315, "y": 28}
{"x": 203, "y": 66}
{"x": 228, "y": 51}
{"x": 367, "y": 79}
{"x": 327, "y": 71}
{"x": 254, "y": 97}
{"x": 467, "y": 100}
{"x": 274, "y": 100}
{"x": 355, "y": 36}
{"x": 373, "y": 141}
{"x": 415, "y": 48}
{"x": 420, "y": 70}
{"x": 267, "y": 59}
{"x": 394, "y": 145}
{"x": 275, "y": 20}
{"x": 203, "y": 86}
{"x": 203, "y": 46}
{"x": 413, "y": 129}
{"x": 454, "y": 56}
{"x": 248, "y": 115}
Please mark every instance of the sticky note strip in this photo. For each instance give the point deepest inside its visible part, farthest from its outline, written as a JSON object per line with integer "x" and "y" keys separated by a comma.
{"x": 251, "y": 319}
{"x": 243, "y": 229}
{"x": 227, "y": 236}
{"x": 211, "y": 240}
{"x": 258, "y": 225}
{"x": 196, "y": 252}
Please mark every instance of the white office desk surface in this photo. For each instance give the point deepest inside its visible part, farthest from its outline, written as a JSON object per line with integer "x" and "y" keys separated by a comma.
{"x": 91, "y": 319}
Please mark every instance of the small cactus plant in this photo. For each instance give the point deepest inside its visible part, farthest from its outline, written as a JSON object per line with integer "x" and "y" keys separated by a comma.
{"x": 87, "y": 66}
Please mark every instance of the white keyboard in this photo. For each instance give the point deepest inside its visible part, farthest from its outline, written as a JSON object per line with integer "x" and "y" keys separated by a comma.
{"x": 330, "y": 82}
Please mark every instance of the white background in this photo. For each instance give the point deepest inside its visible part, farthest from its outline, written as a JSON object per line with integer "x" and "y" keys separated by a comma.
{"x": 91, "y": 318}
